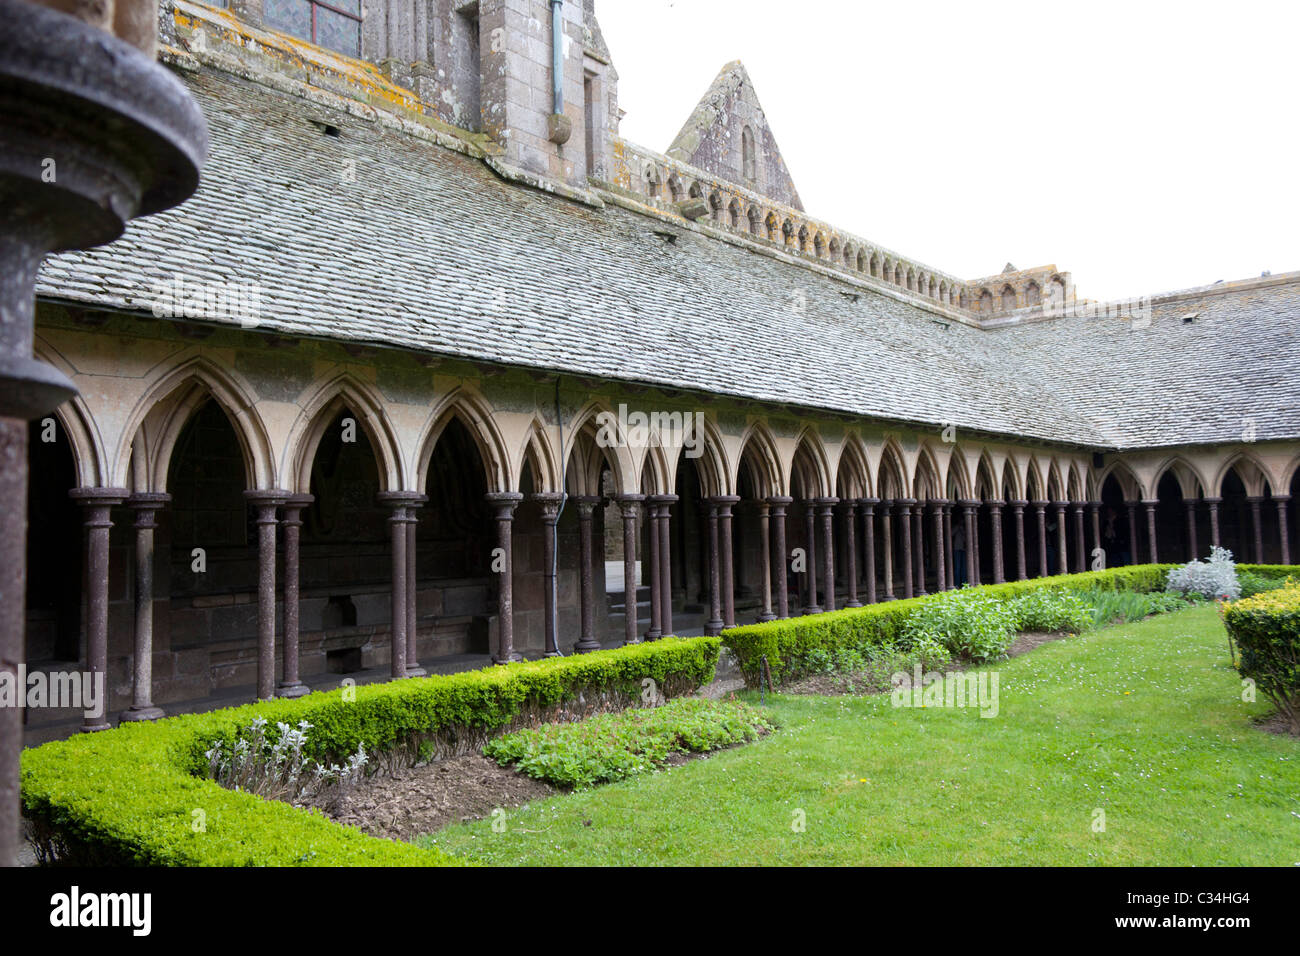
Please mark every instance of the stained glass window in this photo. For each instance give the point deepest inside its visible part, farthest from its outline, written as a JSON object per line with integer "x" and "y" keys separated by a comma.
{"x": 335, "y": 24}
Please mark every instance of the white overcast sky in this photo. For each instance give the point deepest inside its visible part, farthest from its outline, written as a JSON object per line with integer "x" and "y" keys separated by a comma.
{"x": 1143, "y": 146}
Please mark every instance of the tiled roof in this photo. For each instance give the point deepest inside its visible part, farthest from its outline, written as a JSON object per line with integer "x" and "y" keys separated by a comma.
{"x": 427, "y": 249}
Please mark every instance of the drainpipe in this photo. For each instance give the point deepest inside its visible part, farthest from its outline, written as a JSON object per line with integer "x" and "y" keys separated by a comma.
{"x": 558, "y": 126}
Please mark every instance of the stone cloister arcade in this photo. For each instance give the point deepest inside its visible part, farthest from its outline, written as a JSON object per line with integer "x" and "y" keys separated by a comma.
{"x": 255, "y": 514}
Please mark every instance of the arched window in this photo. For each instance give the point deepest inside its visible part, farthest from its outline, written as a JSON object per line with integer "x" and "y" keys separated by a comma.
{"x": 1008, "y": 298}
{"x": 749, "y": 153}
{"x": 772, "y": 226}
{"x": 1033, "y": 295}
{"x": 986, "y": 301}
{"x": 755, "y": 217}
{"x": 733, "y": 211}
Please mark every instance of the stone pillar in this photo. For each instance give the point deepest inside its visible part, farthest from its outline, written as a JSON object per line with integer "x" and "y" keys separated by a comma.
{"x": 810, "y": 605}
{"x": 265, "y": 504}
{"x": 1257, "y": 526}
{"x": 1213, "y": 504}
{"x": 1151, "y": 529}
{"x": 1018, "y": 514}
{"x": 1132, "y": 531}
{"x": 826, "y": 509}
{"x": 655, "y": 631}
{"x": 1190, "y": 505}
{"x": 549, "y": 504}
{"x": 918, "y": 547}
{"x": 887, "y": 546}
{"x": 851, "y": 551}
{"x": 905, "y": 529}
{"x": 947, "y": 545}
{"x": 973, "y": 545}
{"x": 869, "y": 545}
{"x": 398, "y": 503}
{"x": 1040, "y": 508}
{"x": 630, "y": 505}
{"x": 1062, "y": 540}
{"x": 728, "y": 572}
{"x": 765, "y": 558}
{"x": 1080, "y": 559}
{"x": 666, "y": 503}
{"x": 146, "y": 507}
{"x": 713, "y": 626}
{"x": 995, "y": 520}
{"x": 291, "y": 684}
{"x": 782, "y": 563}
{"x": 586, "y": 584}
{"x": 1283, "y": 536}
{"x": 413, "y": 668}
{"x": 97, "y": 504}
{"x": 939, "y": 507}
{"x": 968, "y": 514}
{"x": 1094, "y": 509}
{"x": 503, "y": 504}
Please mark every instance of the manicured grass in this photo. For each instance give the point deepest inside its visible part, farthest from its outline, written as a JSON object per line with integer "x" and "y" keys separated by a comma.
{"x": 1144, "y": 721}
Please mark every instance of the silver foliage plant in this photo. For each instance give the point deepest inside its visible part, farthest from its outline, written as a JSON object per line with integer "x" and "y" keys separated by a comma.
{"x": 276, "y": 769}
{"x": 1215, "y": 579}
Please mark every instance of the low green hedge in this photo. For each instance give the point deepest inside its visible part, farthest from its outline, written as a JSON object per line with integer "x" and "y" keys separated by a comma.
{"x": 788, "y": 641}
{"x": 129, "y": 796}
{"x": 1266, "y": 631}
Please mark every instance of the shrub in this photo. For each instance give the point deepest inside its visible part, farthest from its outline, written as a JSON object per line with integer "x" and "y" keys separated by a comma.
{"x": 968, "y": 623}
{"x": 1266, "y": 631}
{"x": 614, "y": 746}
{"x": 1215, "y": 578}
{"x": 1253, "y": 582}
{"x": 137, "y": 795}
{"x": 274, "y": 766}
{"x": 1051, "y": 610}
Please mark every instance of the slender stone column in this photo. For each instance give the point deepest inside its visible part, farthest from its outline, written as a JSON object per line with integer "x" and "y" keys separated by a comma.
{"x": 265, "y": 504}
{"x": 765, "y": 558}
{"x": 905, "y": 528}
{"x": 968, "y": 506}
{"x": 725, "y": 504}
{"x": 1257, "y": 526}
{"x": 413, "y": 668}
{"x": 1062, "y": 540}
{"x": 887, "y": 545}
{"x": 947, "y": 544}
{"x": 549, "y": 503}
{"x": 826, "y": 509}
{"x": 1094, "y": 509}
{"x": 397, "y": 503}
{"x": 918, "y": 547}
{"x": 713, "y": 626}
{"x": 630, "y": 505}
{"x": 146, "y": 507}
{"x": 291, "y": 684}
{"x": 869, "y": 545}
{"x": 1132, "y": 532}
{"x": 1040, "y": 508}
{"x": 655, "y": 631}
{"x": 1080, "y": 559}
{"x": 1190, "y": 505}
{"x": 666, "y": 503}
{"x": 782, "y": 563}
{"x": 97, "y": 504}
{"x": 586, "y": 584}
{"x": 939, "y": 507}
{"x": 995, "y": 520}
{"x": 1151, "y": 529}
{"x": 1283, "y": 536}
{"x": 810, "y": 605}
{"x": 973, "y": 545}
{"x": 1018, "y": 514}
{"x": 1213, "y": 504}
{"x": 504, "y": 503}
{"x": 850, "y": 508}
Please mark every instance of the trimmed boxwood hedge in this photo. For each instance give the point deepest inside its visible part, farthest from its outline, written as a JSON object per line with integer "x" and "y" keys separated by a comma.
{"x": 128, "y": 796}
{"x": 787, "y": 641}
{"x": 1266, "y": 630}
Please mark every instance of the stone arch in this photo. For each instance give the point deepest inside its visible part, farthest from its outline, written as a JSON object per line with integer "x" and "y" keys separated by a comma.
{"x": 696, "y": 191}
{"x": 1074, "y": 487}
{"x": 819, "y": 245}
{"x": 715, "y": 205}
{"x": 592, "y": 418}
{"x": 987, "y": 486}
{"x": 1254, "y": 476}
{"x": 1126, "y": 478}
{"x": 318, "y": 413}
{"x": 748, "y": 154}
{"x": 651, "y": 179}
{"x": 755, "y": 217}
{"x": 1190, "y": 480}
{"x": 1012, "y": 478}
{"x": 1033, "y": 294}
{"x": 1008, "y": 299}
{"x": 772, "y": 225}
{"x": 1055, "y": 484}
{"x": 814, "y": 467}
{"x": 853, "y": 475}
{"x": 787, "y": 232}
{"x": 161, "y": 414}
{"x": 74, "y": 420}
{"x": 654, "y": 473}
{"x": 733, "y": 213}
{"x": 892, "y": 480}
{"x": 758, "y": 450}
{"x": 927, "y": 484}
{"x": 985, "y": 303}
{"x": 957, "y": 482}
{"x": 803, "y": 238}
{"x": 675, "y": 187}
{"x": 474, "y": 414}
{"x": 850, "y": 255}
{"x": 536, "y": 453}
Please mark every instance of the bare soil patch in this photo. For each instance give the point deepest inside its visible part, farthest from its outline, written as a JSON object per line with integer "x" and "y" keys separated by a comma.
{"x": 1278, "y": 724}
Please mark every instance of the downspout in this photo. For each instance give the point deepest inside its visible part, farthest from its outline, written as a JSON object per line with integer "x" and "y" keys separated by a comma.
{"x": 558, "y": 126}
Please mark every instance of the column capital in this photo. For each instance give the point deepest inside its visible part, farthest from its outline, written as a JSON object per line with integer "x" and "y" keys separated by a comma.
{"x": 662, "y": 500}
{"x": 505, "y": 502}
{"x": 550, "y": 502}
{"x": 826, "y": 504}
{"x": 969, "y": 503}
{"x": 781, "y": 500}
{"x": 1094, "y": 504}
{"x": 850, "y": 505}
{"x": 1039, "y": 504}
{"x": 105, "y": 497}
{"x": 995, "y": 502}
{"x": 1212, "y": 500}
{"x": 1150, "y": 502}
{"x": 1281, "y": 499}
{"x": 298, "y": 501}
{"x": 630, "y": 500}
{"x": 1253, "y": 499}
{"x": 905, "y": 502}
{"x": 1018, "y": 503}
{"x": 266, "y": 497}
{"x": 868, "y": 502}
{"x": 1077, "y": 506}
{"x": 148, "y": 500}
{"x": 400, "y": 499}
{"x": 1060, "y": 505}
{"x": 586, "y": 505}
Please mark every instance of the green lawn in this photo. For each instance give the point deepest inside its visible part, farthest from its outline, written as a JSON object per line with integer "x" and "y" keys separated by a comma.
{"x": 1144, "y": 721}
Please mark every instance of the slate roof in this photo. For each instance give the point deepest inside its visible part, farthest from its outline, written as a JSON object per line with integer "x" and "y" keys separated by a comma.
{"x": 429, "y": 250}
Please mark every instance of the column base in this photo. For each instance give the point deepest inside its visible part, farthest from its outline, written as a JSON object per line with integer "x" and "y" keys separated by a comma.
{"x": 764, "y": 618}
{"x": 713, "y": 628}
{"x": 92, "y": 726}
{"x": 515, "y": 658}
{"x": 416, "y": 671}
{"x": 552, "y": 654}
{"x": 583, "y": 647}
{"x": 853, "y": 604}
{"x": 653, "y": 635}
{"x": 295, "y": 689}
{"x": 633, "y": 643}
{"x": 814, "y": 609}
{"x": 144, "y": 713}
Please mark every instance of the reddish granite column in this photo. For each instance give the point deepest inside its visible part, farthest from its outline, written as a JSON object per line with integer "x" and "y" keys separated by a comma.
{"x": 869, "y": 545}
{"x": 887, "y": 546}
{"x": 397, "y": 502}
{"x": 504, "y": 504}
{"x": 291, "y": 521}
{"x": 781, "y": 565}
{"x": 630, "y": 505}
{"x": 810, "y": 605}
{"x": 1081, "y": 560}
{"x": 549, "y": 503}
{"x": 905, "y": 527}
{"x": 1134, "y": 558}
{"x": 1094, "y": 509}
{"x": 1258, "y": 527}
{"x": 918, "y": 548}
{"x": 995, "y": 519}
{"x": 728, "y": 572}
{"x": 1190, "y": 505}
{"x": 666, "y": 503}
{"x": 713, "y": 626}
{"x": 586, "y": 584}
{"x": 655, "y": 631}
{"x": 1062, "y": 539}
{"x": 146, "y": 506}
{"x": 265, "y": 503}
{"x": 413, "y": 668}
{"x": 1151, "y": 529}
{"x": 950, "y": 564}
{"x": 850, "y": 510}
{"x": 826, "y": 511}
{"x": 1040, "y": 508}
{"x": 1018, "y": 514}
{"x": 765, "y": 558}
{"x": 98, "y": 504}
{"x": 973, "y": 545}
{"x": 1213, "y": 504}
{"x": 937, "y": 507}
{"x": 968, "y": 506}
{"x": 1283, "y": 538}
